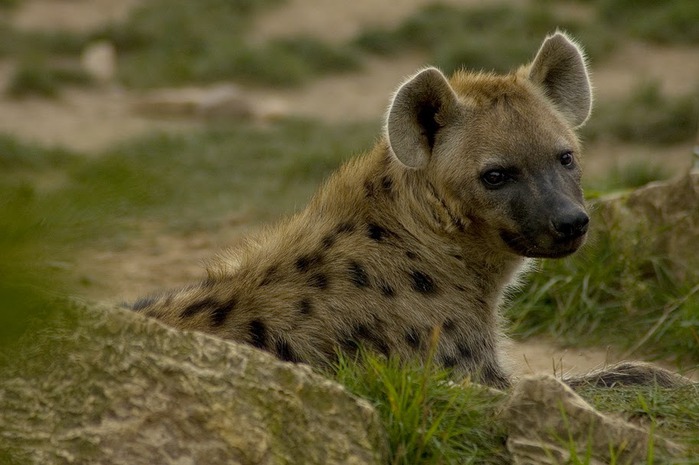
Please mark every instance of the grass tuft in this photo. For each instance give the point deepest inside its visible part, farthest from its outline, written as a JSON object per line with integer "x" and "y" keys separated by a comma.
{"x": 428, "y": 420}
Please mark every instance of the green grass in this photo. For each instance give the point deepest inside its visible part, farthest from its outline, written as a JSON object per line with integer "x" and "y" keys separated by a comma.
{"x": 37, "y": 78}
{"x": 626, "y": 176}
{"x": 177, "y": 42}
{"x": 179, "y": 180}
{"x": 483, "y": 37}
{"x": 646, "y": 116}
{"x": 427, "y": 419}
{"x": 172, "y": 42}
{"x": 672, "y": 22}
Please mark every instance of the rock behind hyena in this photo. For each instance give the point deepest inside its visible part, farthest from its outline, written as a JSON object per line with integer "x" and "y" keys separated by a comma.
{"x": 476, "y": 174}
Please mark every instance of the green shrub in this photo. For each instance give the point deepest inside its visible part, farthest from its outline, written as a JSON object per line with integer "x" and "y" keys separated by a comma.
{"x": 41, "y": 79}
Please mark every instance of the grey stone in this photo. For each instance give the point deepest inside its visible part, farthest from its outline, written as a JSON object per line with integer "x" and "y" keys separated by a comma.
{"x": 664, "y": 216}
{"x": 547, "y": 422}
{"x": 98, "y": 59}
{"x": 116, "y": 388}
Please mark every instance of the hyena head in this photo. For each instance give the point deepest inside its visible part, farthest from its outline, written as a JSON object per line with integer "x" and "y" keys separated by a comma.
{"x": 501, "y": 150}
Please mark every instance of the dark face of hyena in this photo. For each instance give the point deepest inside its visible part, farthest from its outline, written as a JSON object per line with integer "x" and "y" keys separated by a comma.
{"x": 520, "y": 180}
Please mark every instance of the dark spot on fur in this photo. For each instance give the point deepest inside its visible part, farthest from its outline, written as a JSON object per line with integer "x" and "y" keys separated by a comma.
{"x": 449, "y": 361}
{"x": 387, "y": 290}
{"x": 371, "y": 335}
{"x": 318, "y": 280}
{"x": 305, "y": 307}
{"x": 358, "y": 275}
{"x": 493, "y": 376}
{"x": 345, "y": 228}
{"x": 458, "y": 257}
{"x": 328, "y": 241}
{"x": 464, "y": 350}
{"x": 349, "y": 345}
{"x": 342, "y": 228}
{"x": 386, "y": 184}
{"x": 378, "y": 233}
{"x": 423, "y": 283}
{"x": 258, "y": 334}
{"x": 412, "y": 337}
{"x": 143, "y": 303}
{"x": 449, "y": 325}
{"x": 369, "y": 189}
{"x": 197, "y": 307}
{"x": 411, "y": 255}
{"x": 220, "y": 312}
{"x": 306, "y": 262}
{"x": 285, "y": 351}
{"x": 271, "y": 274}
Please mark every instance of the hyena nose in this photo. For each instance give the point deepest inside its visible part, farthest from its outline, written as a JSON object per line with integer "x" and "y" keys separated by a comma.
{"x": 571, "y": 225}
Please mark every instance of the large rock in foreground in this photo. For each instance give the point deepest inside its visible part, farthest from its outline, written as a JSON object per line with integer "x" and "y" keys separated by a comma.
{"x": 117, "y": 388}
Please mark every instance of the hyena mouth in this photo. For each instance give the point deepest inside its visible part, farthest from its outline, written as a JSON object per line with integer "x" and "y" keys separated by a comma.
{"x": 527, "y": 247}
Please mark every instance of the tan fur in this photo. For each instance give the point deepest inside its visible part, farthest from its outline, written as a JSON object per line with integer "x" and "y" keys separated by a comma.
{"x": 408, "y": 238}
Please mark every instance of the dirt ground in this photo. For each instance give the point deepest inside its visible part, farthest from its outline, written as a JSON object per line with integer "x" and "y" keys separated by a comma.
{"x": 95, "y": 118}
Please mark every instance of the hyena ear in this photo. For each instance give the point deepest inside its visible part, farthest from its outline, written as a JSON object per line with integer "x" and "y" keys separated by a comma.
{"x": 420, "y": 109}
{"x": 560, "y": 69}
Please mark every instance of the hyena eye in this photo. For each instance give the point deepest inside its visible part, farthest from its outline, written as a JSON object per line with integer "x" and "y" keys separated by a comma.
{"x": 494, "y": 178}
{"x": 567, "y": 159}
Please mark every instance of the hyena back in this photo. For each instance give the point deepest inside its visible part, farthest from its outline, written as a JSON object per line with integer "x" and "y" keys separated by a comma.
{"x": 475, "y": 174}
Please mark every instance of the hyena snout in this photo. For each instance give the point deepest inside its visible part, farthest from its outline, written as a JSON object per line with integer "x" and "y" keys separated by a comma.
{"x": 571, "y": 224}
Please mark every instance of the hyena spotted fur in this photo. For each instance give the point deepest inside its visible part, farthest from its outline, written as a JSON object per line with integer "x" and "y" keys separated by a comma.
{"x": 475, "y": 174}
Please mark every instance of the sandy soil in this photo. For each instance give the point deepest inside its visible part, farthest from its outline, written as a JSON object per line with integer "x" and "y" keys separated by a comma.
{"x": 73, "y": 15}
{"x": 93, "y": 119}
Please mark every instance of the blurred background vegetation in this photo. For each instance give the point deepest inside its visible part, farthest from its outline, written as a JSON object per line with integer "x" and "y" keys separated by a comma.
{"x": 61, "y": 208}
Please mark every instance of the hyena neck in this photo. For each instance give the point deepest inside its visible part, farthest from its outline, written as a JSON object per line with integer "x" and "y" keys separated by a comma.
{"x": 382, "y": 191}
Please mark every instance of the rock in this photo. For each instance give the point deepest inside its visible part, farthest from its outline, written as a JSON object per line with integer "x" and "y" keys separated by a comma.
{"x": 665, "y": 218}
{"x": 98, "y": 59}
{"x": 117, "y": 388}
{"x": 546, "y": 420}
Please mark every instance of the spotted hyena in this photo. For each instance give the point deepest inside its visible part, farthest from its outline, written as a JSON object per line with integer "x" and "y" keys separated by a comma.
{"x": 475, "y": 174}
